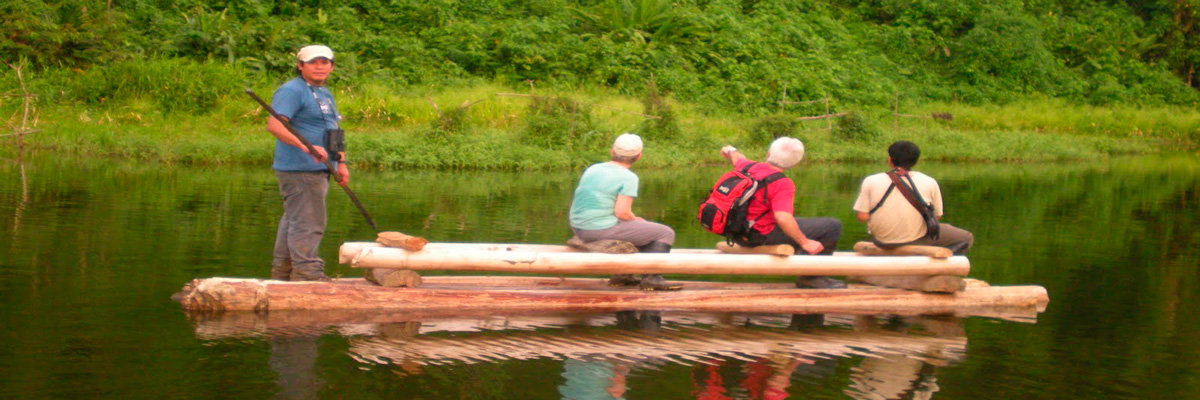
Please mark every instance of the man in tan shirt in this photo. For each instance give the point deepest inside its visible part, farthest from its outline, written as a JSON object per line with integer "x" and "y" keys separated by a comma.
{"x": 896, "y": 222}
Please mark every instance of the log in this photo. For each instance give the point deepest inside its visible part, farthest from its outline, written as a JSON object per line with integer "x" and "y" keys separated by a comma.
{"x": 400, "y": 240}
{"x": 602, "y": 246}
{"x": 393, "y": 277}
{"x": 782, "y": 250}
{"x": 928, "y": 284}
{"x": 219, "y": 294}
{"x": 870, "y": 249}
{"x": 562, "y": 260}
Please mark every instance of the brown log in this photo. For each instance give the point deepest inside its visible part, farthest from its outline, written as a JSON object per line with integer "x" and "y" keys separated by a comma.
{"x": 400, "y": 240}
{"x": 782, "y": 250}
{"x": 562, "y": 260}
{"x": 602, "y": 246}
{"x": 928, "y": 284}
{"x": 393, "y": 277}
{"x": 870, "y": 249}
{"x": 264, "y": 295}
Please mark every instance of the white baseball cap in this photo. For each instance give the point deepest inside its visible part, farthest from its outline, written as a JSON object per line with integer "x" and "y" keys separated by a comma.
{"x": 627, "y": 145}
{"x": 309, "y": 53}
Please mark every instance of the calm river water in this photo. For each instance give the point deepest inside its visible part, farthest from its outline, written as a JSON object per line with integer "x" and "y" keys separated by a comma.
{"x": 91, "y": 251}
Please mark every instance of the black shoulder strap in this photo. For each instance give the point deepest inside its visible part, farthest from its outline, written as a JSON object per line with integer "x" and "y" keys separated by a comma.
{"x": 882, "y": 199}
{"x": 762, "y": 183}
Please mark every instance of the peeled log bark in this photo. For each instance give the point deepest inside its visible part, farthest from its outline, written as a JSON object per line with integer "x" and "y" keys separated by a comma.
{"x": 393, "y": 277}
{"x": 400, "y": 240}
{"x": 870, "y": 249}
{"x": 782, "y": 250}
{"x": 930, "y": 284}
{"x": 261, "y": 295}
{"x": 547, "y": 259}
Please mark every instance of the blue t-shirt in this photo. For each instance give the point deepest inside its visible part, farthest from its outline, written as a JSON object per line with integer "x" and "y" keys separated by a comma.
{"x": 310, "y": 110}
{"x": 592, "y": 207}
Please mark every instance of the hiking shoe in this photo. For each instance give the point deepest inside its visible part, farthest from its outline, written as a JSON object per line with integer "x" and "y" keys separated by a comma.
{"x": 312, "y": 278}
{"x": 819, "y": 282}
{"x": 623, "y": 280}
{"x": 656, "y": 282}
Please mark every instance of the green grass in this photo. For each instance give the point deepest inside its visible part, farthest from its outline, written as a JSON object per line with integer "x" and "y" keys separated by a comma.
{"x": 395, "y": 129}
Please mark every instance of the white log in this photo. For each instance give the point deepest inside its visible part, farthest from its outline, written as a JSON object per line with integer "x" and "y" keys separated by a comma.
{"x": 549, "y": 259}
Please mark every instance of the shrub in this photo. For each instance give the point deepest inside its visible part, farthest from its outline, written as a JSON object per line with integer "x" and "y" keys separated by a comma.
{"x": 853, "y": 126}
{"x": 666, "y": 126}
{"x": 767, "y": 128}
{"x": 159, "y": 81}
{"x": 557, "y": 122}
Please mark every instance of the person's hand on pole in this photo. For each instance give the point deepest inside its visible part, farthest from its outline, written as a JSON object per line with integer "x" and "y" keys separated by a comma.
{"x": 320, "y": 156}
{"x": 342, "y": 176}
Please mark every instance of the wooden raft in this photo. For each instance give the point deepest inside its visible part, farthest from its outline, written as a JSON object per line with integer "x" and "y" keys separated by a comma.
{"x": 515, "y": 293}
{"x": 554, "y": 259}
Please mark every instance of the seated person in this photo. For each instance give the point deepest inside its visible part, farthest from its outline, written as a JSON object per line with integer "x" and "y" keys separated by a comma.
{"x": 603, "y": 209}
{"x": 771, "y": 209}
{"x": 892, "y": 220}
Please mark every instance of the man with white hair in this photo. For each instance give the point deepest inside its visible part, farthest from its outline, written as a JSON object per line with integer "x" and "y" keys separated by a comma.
{"x": 603, "y": 209}
{"x": 308, "y": 107}
{"x": 771, "y": 209}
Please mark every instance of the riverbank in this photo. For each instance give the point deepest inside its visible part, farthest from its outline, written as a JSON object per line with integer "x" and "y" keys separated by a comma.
{"x": 499, "y": 130}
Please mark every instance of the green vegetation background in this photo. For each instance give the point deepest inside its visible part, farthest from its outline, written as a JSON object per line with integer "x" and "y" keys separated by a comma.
{"x": 418, "y": 81}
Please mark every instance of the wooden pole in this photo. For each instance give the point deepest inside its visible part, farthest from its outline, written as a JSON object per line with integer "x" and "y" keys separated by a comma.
{"x": 896, "y": 114}
{"x": 710, "y": 262}
{"x": 828, "y": 122}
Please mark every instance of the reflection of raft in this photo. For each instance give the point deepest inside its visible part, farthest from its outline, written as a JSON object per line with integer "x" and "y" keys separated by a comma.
{"x": 422, "y": 339}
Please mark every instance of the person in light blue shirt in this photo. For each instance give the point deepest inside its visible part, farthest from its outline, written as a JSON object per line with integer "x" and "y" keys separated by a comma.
{"x": 602, "y": 209}
{"x": 308, "y": 107}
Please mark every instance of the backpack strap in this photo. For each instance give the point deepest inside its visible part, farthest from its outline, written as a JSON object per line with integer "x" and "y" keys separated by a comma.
{"x": 882, "y": 199}
{"x": 910, "y": 193}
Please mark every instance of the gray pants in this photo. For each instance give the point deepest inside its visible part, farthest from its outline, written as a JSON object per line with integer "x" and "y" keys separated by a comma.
{"x": 640, "y": 233}
{"x": 950, "y": 237}
{"x": 301, "y": 227}
{"x": 824, "y": 230}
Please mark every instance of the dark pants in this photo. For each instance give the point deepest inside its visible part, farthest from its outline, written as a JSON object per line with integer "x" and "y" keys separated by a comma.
{"x": 824, "y": 230}
{"x": 951, "y": 237}
{"x": 301, "y": 227}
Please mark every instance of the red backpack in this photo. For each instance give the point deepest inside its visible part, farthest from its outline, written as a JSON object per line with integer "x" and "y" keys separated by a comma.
{"x": 724, "y": 212}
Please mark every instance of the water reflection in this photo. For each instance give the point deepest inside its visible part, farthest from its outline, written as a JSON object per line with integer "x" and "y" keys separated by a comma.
{"x": 729, "y": 355}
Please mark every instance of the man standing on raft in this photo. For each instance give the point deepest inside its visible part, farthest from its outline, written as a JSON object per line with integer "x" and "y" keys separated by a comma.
{"x": 603, "y": 209}
{"x": 771, "y": 209}
{"x": 892, "y": 220}
{"x": 303, "y": 177}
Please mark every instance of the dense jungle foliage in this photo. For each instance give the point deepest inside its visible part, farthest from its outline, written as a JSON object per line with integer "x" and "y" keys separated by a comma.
{"x": 745, "y": 54}
{"x": 704, "y": 71}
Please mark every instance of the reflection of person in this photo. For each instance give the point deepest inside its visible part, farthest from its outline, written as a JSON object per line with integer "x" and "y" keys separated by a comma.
{"x": 771, "y": 209}
{"x": 603, "y": 209}
{"x": 293, "y": 358}
{"x": 591, "y": 378}
{"x": 763, "y": 378}
{"x": 303, "y": 177}
{"x": 893, "y": 221}
{"x": 891, "y": 376}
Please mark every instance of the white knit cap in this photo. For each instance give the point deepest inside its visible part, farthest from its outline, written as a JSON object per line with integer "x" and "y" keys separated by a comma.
{"x": 785, "y": 152}
{"x": 627, "y": 145}
{"x": 309, "y": 53}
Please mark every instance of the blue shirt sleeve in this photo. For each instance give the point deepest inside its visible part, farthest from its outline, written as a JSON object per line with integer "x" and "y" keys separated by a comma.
{"x": 286, "y": 101}
{"x": 629, "y": 186}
